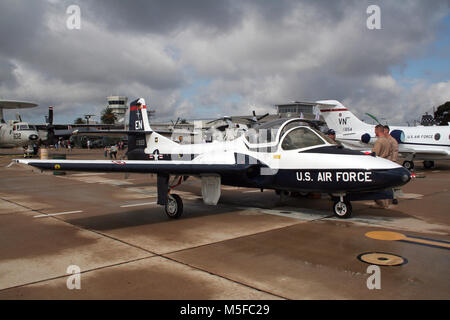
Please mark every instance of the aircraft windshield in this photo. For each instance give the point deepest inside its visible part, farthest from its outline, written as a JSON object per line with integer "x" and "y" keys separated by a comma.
{"x": 24, "y": 127}
{"x": 301, "y": 137}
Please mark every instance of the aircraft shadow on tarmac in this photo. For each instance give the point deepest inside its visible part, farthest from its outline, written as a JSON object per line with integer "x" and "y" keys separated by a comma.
{"x": 147, "y": 216}
{"x": 135, "y": 217}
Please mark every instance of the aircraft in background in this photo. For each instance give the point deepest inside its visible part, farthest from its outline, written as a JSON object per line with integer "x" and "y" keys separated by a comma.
{"x": 16, "y": 133}
{"x": 286, "y": 155}
{"x": 50, "y": 132}
{"x": 426, "y": 143}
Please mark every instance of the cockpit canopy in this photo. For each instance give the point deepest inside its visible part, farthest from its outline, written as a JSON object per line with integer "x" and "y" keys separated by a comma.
{"x": 293, "y": 134}
{"x": 23, "y": 127}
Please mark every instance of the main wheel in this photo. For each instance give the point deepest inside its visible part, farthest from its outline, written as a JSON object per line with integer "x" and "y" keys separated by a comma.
{"x": 408, "y": 165}
{"x": 174, "y": 206}
{"x": 428, "y": 164}
{"x": 342, "y": 209}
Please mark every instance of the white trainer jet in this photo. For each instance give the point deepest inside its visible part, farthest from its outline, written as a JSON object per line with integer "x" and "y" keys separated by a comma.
{"x": 415, "y": 143}
{"x": 285, "y": 155}
{"x": 16, "y": 133}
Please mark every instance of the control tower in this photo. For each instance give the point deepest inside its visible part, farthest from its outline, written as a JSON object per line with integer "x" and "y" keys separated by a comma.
{"x": 118, "y": 106}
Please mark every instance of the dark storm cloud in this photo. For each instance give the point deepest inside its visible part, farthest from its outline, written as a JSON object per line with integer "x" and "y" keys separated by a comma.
{"x": 19, "y": 24}
{"x": 261, "y": 50}
{"x": 6, "y": 73}
{"x": 164, "y": 17}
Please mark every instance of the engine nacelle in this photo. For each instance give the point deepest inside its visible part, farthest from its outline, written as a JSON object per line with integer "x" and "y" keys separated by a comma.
{"x": 365, "y": 138}
{"x": 398, "y": 135}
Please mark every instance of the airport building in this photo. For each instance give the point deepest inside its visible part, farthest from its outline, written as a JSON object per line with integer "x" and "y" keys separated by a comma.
{"x": 295, "y": 108}
{"x": 118, "y": 106}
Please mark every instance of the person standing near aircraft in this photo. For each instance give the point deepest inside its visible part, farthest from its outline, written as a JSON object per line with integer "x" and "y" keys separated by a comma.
{"x": 331, "y": 134}
{"x": 113, "y": 152}
{"x": 394, "y": 152}
{"x": 393, "y": 143}
{"x": 382, "y": 148}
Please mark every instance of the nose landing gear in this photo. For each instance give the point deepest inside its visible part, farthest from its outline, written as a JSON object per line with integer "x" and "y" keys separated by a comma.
{"x": 342, "y": 208}
{"x": 408, "y": 165}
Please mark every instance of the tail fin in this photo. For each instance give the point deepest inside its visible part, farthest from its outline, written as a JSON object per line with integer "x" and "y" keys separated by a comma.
{"x": 138, "y": 122}
{"x": 140, "y": 146}
{"x": 138, "y": 116}
{"x": 340, "y": 119}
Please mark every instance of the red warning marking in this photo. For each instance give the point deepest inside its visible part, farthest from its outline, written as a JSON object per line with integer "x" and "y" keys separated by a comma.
{"x": 139, "y": 107}
{"x": 119, "y": 162}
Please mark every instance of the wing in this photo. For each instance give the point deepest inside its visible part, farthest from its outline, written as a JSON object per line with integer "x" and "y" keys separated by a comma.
{"x": 121, "y": 133}
{"x": 440, "y": 152}
{"x": 109, "y": 133}
{"x": 141, "y": 166}
{"x": 87, "y": 126}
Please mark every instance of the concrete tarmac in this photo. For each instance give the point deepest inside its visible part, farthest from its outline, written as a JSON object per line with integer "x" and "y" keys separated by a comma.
{"x": 250, "y": 246}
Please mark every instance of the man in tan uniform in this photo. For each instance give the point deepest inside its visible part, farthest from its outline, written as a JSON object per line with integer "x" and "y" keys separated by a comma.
{"x": 382, "y": 148}
{"x": 393, "y": 143}
{"x": 394, "y": 153}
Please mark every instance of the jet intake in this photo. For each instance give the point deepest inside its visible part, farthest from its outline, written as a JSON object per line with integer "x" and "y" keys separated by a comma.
{"x": 365, "y": 138}
{"x": 398, "y": 135}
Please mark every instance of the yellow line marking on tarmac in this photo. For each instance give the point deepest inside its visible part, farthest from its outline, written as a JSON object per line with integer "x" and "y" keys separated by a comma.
{"x": 396, "y": 236}
{"x": 56, "y": 214}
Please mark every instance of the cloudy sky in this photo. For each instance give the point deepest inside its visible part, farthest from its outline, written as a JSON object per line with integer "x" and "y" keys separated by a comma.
{"x": 202, "y": 58}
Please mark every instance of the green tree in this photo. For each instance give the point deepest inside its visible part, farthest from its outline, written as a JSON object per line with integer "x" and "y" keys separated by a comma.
{"x": 442, "y": 114}
{"x": 108, "y": 117}
{"x": 79, "y": 121}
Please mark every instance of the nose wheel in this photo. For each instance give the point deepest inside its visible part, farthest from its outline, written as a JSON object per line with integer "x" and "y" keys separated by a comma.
{"x": 408, "y": 165}
{"x": 174, "y": 206}
{"x": 342, "y": 209}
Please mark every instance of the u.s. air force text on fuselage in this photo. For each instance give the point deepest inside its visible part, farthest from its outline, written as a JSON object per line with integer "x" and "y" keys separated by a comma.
{"x": 336, "y": 176}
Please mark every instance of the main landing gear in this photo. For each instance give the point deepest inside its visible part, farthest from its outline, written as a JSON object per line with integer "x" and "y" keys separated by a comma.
{"x": 174, "y": 204}
{"x": 342, "y": 208}
{"x": 427, "y": 164}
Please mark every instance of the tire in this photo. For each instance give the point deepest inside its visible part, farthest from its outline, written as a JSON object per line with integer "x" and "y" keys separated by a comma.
{"x": 174, "y": 206}
{"x": 428, "y": 164}
{"x": 408, "y": 165}
{"x": 342, "y": 210}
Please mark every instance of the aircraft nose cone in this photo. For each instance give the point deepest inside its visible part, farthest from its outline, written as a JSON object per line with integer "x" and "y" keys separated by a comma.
{"x": 33, "y": 137}
{"x": 406, "y": 175}
{"x": 402, "y": 175}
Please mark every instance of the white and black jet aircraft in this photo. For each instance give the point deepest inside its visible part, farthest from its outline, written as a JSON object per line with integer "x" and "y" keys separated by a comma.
{"x": 286, "y": 155}
{"x": 415, "y": 143}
